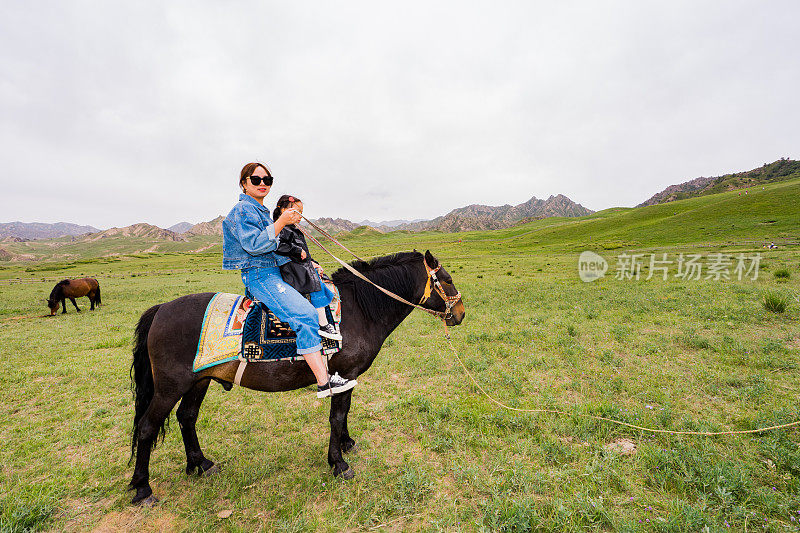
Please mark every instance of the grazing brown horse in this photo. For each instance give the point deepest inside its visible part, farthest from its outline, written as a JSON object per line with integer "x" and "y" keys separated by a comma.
{"x": 74, "y": 288}
{"x": 166, "y": 343}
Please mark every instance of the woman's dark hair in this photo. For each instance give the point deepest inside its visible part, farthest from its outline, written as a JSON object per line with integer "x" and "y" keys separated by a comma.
{"x": 248, "y": 170}
{"x": 283, "y": 202}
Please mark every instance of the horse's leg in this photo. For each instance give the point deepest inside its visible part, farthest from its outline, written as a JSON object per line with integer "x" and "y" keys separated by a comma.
{"x": 348, "y": 444}
{"x": 187, "y": 418}
{"x": 75, "y": 304}
{"x": 159, "y": 409}
{"x": 91, "y": 301}
{"x": 340, "y": 404}
{"x": 64, "y": 305}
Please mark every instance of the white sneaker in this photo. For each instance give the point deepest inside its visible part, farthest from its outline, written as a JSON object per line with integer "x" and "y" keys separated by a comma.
{"x": 336, "y": 385}
{"x": 329, "y": 331}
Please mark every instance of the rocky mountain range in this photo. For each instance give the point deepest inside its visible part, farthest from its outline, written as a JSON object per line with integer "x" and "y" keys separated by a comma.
{"x": 181, "y": 227}
{"x": 333, "y": 225}
{"x": 471, "y": 217}
{"x": 140, "y": 230}
{"x": 212, "y": 227}
{"x": 387, "y": 223}
{"x": 781, "y": 170}
{"x": 485, "y": 217}
{"x": 40, "y": 230}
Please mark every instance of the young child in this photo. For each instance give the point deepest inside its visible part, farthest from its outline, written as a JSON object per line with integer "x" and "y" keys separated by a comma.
{"x": 303, "y": 273}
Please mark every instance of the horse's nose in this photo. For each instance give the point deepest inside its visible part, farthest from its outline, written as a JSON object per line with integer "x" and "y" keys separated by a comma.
{"x": 459, "y": 312}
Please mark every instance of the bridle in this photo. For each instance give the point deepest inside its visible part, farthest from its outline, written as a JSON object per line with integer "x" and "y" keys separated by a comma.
{"x": 449, "y": 301}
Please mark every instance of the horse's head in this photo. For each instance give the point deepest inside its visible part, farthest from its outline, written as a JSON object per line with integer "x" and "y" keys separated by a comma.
{"x": 56, "y": 295}
{"x": 440, "y": 292}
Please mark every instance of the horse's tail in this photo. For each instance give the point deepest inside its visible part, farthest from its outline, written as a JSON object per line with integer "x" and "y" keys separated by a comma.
{"x": 97, "y": 297}
{"x": 142, "y": 375}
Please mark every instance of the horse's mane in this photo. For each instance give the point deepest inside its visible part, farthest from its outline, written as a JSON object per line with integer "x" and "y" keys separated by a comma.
{"x": 393, "y": 272}
{"x": 58, "y": 290}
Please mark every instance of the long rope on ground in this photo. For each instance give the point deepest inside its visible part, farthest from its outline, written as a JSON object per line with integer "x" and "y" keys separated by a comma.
{"x": 540, "y": 410}
{"x": 605, "y": 419}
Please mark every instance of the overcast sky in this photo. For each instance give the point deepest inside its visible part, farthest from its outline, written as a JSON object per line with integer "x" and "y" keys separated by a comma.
{"x": 121, "y": 112}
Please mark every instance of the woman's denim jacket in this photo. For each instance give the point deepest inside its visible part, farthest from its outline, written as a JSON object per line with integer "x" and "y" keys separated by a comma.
{"x": 248, "y": 237}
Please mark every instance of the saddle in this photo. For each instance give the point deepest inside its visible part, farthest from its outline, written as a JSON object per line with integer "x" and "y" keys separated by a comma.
{"x": 266, "y": 338}
{"x": 240, "y": 327}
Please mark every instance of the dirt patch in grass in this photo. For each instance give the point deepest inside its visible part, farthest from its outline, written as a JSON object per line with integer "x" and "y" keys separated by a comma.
{"x": 136, "y": 520}
{"x": 621, "y": 446}
{"x": 76, "y": 512}
{"x": 130, "y": 520}
{"x": 76, "y": 456}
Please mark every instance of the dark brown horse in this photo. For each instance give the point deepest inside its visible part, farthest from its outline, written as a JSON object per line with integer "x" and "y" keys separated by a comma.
{"x": 74, "y": 288}
{"x": 166, "y": 343}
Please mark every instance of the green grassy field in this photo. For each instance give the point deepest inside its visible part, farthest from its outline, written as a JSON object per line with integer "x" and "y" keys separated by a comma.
{"x": 435, "y": 455}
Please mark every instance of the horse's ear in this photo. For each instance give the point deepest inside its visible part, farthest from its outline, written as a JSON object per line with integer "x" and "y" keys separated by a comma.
{"x": 432, "y": 261}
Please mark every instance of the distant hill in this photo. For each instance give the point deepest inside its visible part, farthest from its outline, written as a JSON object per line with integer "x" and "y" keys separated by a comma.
{"x": 40, "y": 230}
{"x": 181, "y": 227}
{"x": 212, "y": 227}
{"x": 361, "y": 231}
{"x": 472, "y": 217}
{"x": 388, "y": 223}
{"x": 5, "y": 255}
{"x": 140, "y": 230}
{"x": 484, "y": 217}
{"x": 769, "y": 213}
{"x": 781, "y": 170}
{"x": 332, "y": 225}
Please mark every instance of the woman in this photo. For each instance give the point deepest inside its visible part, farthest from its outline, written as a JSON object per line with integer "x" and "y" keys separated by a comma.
{"x": 249, "y": 240}
{"x": 302, "y": 272}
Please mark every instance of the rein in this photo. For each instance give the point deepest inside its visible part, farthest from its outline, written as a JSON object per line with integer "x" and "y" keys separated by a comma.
{"x": 450, "y": 301}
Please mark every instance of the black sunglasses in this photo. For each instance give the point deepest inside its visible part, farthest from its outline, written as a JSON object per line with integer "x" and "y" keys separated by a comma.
{"x": 256, "y": 180}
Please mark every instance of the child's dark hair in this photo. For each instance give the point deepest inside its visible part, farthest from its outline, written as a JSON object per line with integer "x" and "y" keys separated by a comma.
{"x": 283, "y": 202}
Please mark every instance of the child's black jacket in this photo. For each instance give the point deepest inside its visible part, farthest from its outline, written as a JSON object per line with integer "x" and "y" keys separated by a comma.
{"x": 300, "y": 273}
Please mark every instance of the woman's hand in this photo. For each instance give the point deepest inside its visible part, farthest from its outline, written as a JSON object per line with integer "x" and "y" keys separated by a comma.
{"x": 303, "y": 254}
{"x": 290, "y": 216}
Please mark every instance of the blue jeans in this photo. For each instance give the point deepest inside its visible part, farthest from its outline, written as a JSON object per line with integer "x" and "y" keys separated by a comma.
{"x": 266, "y": 285}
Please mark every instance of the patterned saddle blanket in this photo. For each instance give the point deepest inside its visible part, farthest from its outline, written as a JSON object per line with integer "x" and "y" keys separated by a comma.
{"x": 240, "y": 327}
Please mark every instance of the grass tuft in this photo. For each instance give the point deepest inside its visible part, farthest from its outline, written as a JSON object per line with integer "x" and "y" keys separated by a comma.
{"x": 782, "y": 273}
{"x": 775, "y": 302}
{"x": 23, "y": 516}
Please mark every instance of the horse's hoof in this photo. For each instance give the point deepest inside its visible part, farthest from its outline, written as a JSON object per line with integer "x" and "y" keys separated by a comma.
{"x": 348, "y": 474}
{"x": 213, "y": 469}
{"x": 352, "y": 449}
{"x": 144, "y": 496}
{"x": 150, "y": 501}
